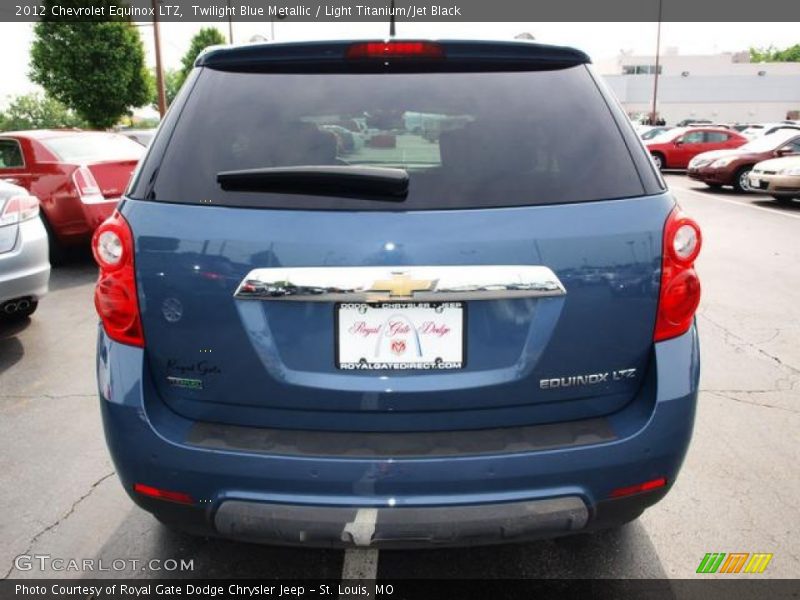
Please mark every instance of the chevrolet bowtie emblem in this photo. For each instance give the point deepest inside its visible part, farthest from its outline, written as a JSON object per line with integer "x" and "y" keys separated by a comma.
{"x": 401, "y": 284}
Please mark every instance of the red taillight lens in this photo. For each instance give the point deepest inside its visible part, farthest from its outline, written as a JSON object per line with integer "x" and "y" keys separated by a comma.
{"x": 115, "y": 293}
{"x": 680, "y": 286}
{"x": 19, "y": 208}
{"x": 647, "y": 486}
{"x": 395, "y": 50}
{"x": 152, "y": 492}
{"x": 86, "y": 184}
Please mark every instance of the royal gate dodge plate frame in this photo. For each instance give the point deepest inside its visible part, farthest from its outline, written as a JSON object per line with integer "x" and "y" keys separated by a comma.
{"x": 432, "y": 332}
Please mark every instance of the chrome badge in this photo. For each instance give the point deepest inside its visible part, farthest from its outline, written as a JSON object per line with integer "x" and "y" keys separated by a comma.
{"x": 588, "y": 379}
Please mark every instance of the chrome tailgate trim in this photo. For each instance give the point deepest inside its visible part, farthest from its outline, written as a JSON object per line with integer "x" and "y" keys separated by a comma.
{"x": 412, "y": 283}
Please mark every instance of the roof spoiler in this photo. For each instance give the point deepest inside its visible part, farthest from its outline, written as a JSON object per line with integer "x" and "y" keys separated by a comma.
{"x": 456, "y": 55}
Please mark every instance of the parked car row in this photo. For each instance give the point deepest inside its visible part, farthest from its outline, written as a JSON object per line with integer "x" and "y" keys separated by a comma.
{"x": 733, "y": 167}
{"x": 749, "y": 130}
{"x": 56, "y": 188}
{"x": 722, "y": 157}
{"x": 78, "y": 177}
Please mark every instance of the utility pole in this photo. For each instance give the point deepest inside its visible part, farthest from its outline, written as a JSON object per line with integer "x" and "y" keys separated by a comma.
{"x": 658, "y": 54}
{"x": 230, "y": 24}
{"x": 280, "y": 16}
{"x": 162, "y": 96}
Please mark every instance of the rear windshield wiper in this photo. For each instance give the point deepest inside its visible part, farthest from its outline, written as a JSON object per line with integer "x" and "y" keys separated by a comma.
{"x": 372, "y": 183}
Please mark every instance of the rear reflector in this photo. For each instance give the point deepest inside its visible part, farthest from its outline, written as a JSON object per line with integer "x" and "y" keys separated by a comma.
{"x": 647, "y": 486}
{"x": 395, "y": 50}
{"x": 151, "y": 492}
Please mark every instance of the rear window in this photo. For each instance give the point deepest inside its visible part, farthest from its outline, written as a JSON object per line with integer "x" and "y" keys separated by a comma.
{"x": 91, "y": 147}
{"x": 466, "y": 139}
{"x": 10, "y": 155}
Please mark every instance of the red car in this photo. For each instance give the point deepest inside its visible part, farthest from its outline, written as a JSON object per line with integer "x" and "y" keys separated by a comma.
{"x": 78, "y": 177}
{"x": 676, "y": 147}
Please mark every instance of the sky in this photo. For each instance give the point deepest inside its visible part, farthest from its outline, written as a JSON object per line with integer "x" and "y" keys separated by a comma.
{"x": 602, "y": 41}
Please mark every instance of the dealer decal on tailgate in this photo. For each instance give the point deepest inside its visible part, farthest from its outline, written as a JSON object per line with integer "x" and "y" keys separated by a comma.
{"x": 400, "y": 336}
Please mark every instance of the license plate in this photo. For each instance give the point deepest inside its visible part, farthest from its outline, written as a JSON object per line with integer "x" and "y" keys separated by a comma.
{"x": 400, "y": 336}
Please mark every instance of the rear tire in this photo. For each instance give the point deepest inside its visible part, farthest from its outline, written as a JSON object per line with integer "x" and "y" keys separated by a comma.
{"x": 741, "y": 181}
{"x": 658, "y": 160}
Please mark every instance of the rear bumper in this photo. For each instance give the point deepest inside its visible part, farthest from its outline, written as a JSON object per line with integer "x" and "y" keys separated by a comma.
{"x": 400, "y": 527}
{"x": 309, "y": 498}
{"x": 25, "y": 269}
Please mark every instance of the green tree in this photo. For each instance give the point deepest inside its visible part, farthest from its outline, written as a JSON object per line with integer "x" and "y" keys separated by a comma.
{"x": 97, "y": 68}
{"x": 772, "y": 54}
{"x": 38, "y": 111}
{"x": 790, "y": 54}
{"x": 207, "y": 36}
{"x": 173, "y": 79}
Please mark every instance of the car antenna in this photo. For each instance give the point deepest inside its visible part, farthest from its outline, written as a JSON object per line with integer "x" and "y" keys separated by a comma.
{"x": 391, "y": 20}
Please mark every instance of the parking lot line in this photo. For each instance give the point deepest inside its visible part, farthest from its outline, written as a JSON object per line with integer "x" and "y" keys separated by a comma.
{"x": 360, "y": 564}
{"x": 737, "y": 203}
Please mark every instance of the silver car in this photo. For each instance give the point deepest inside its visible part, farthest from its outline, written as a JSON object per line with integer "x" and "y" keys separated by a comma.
{"x": 24, "y": 264}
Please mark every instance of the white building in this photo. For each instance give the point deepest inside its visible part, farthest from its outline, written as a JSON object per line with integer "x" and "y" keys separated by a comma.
{"x": 724, "y": 88}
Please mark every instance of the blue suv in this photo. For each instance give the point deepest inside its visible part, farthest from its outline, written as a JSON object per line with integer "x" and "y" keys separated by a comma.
{"x": 395, "y": 294}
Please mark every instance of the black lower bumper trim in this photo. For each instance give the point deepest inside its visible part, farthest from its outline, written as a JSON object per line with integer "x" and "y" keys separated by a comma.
{"x": 391, "y": 527}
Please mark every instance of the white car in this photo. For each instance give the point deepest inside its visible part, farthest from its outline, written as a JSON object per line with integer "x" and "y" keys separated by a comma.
{"x": 760, "y": 129}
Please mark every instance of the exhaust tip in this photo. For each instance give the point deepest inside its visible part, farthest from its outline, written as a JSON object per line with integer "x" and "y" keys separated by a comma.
{"x": 16, "y": 305}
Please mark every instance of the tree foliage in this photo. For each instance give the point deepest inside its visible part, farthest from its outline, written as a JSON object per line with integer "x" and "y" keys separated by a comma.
{"x": 173, "y": 79}
{"x": 772, "y": 54}
{"x": 207, "y": 36}
{"x": 97, "y": 68}
{"x": 38, "y": 111}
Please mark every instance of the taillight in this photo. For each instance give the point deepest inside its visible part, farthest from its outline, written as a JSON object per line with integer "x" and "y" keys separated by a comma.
{"x": 680, "y": 286}
{"x": 115, "y": 294}
{"x": 86, "y": 184}
{"x": 404, "y": 49}
{"x": 19, "y": 208}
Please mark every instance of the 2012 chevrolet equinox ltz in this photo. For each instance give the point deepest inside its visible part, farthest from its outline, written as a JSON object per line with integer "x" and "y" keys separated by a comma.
{"x": 394, "y": 294}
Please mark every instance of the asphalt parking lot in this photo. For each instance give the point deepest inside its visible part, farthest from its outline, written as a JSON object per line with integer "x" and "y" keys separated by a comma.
{"x": 737, "y": 492}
